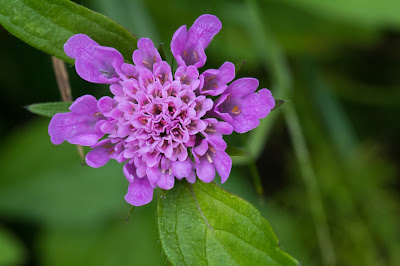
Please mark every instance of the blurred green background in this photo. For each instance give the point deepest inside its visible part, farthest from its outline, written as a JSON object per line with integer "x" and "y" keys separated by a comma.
{"x": 328, "y": 159}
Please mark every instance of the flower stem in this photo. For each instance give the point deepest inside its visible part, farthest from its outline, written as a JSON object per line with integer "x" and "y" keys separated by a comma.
{"x": 128, "y": 217}
{"x": 62, "y": 79}
{"x": 256, "y": 179}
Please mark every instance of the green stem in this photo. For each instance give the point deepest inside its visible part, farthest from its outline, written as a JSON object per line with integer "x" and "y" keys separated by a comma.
{"x": 312, "y": 187}
{"x": 130, "y": 213}
{"x": 256, "y": 178}
{"x": 274, "y": 59}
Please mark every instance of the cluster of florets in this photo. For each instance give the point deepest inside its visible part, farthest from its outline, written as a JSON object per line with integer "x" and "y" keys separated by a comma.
{"x": 161, "y": 125}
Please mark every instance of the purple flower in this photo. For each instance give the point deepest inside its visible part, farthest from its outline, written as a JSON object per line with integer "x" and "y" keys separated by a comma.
{"x": 162, "y": 125}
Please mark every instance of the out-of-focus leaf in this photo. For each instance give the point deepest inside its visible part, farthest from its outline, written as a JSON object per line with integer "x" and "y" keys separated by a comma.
{"x": 304, "y": 33}
{"x": 11, "y": 251}
{"x": 48, "y": 24}
{"x": 255, "y": 140}
{"x": 373, "y": 13}
{"x": 233, "y": 151}
{"x": 330, "y": 110}
{"x": 363, "y": 93}
{"x": 49, "y": 109}
{"x": 118, "y": 243}
{"x": 203, "y": 224}
{"x": 134, "y": 15}
{"x": 47, "y": 184}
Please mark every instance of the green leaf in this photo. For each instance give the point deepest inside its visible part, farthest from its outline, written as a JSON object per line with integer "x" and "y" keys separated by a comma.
{"x": 49, "y": 109}
{"x": 49, "y": 176}
{"x": 233, "y": 151}
{"x": 11, "y": 250}
{"x": 115, "y": 243}
{"x": 202, "y": 224}
{"x": 48, "y": 24}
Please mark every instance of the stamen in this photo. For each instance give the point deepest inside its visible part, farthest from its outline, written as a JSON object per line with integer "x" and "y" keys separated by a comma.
{"x": 211, "y": 148}
{"x": 179, "y": 149}
{"x": 209, "y": 158}
{"x": 159, "y": 77}
{"x": 229, "y": 96}
{"x": 198, "y": 107}
{"x": 210, "y": 129}
{"x": 107, "y": 146}
{"x": 193, "y": 125}
{"x": 148, "y": 81}
{"x": 165, "y": 77}
{"x": 155, "y": 59}
{"x": 97, "y": 114}
{"x": 185, "y": 53}
{"x": 210, "y": 78}
{"x": 185, "y": 99}
{"x": 169, "y": 171}
{"x": 111, "y": 152}
{"x": 143, "y": 120}
{"x": 163, "y": 171}
{"x": 165, "y": 144}
{"x": 236, "y": 110}
{"x": 195, "y": 55}
{"x": 183, "y": 114}
{"x": 147, "y": 64}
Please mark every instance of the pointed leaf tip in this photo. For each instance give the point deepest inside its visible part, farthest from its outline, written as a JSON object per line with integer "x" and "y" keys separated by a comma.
{"x": 278, "y": 103}
{"x": 233, "y": 151}
{"x": 238, "y": 66}
{"x": 49, "y": 109}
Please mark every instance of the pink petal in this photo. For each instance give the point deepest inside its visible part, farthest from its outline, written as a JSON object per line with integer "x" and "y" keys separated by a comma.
{"x": 223, "y": 165}
{"x": 182, "y": 169}
{"x": 188, "y": 47}
{"x": 98, "y": 157}
{"x": 93, "y": 63}
{"x": 166, "y": 181}
{"x": 129, "y": 170}
{"x": 140, "y": 192}
{"x": 205, "y": 170}
{"x": 147, "y": 55}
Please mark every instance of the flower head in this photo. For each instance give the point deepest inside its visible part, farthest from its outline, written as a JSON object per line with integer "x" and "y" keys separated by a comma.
{"x": 161, "y": 125}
